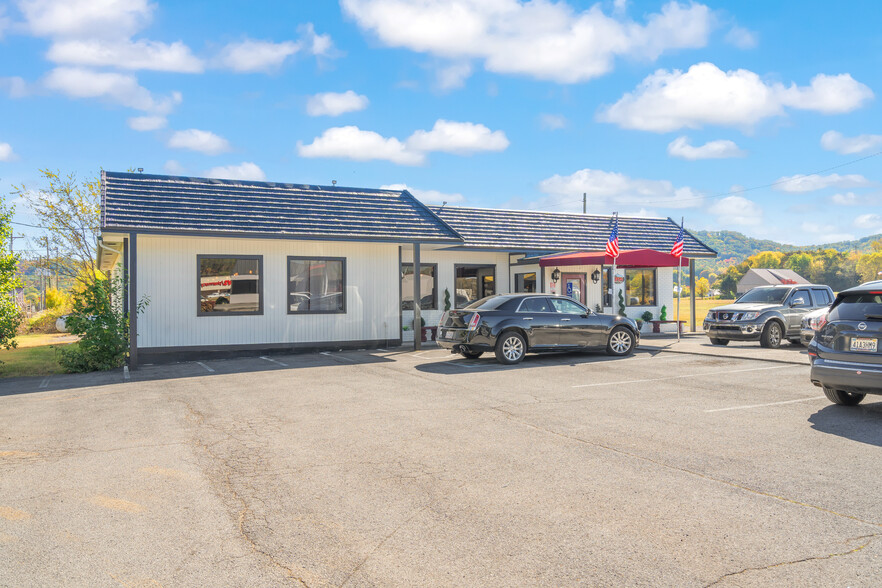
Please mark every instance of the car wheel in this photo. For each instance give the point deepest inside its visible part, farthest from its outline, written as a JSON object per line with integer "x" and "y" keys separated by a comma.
{"x": 797, "y": 342}
{"x": 471, "y": 354}
{"x": 510, "y": 348}
{"x": 715, "y": 341}
{"x": 842, "y": 397}
{"x": 621, "y": 342}
{"x": 771, "y": 336}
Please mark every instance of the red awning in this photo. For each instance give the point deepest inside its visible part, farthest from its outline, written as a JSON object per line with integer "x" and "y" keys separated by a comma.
{"x": 627, "y": 258}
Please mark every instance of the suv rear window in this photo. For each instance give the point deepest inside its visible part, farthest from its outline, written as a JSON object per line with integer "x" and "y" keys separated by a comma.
{"x": 858, "y": 307}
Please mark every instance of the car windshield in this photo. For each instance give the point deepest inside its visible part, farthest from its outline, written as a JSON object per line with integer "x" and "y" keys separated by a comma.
{"x": 764, "y": 296}
{"x": 488, "y": 303}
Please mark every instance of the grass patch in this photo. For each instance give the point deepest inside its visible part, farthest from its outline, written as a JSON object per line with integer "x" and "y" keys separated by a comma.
{"x": 36, "y": 355}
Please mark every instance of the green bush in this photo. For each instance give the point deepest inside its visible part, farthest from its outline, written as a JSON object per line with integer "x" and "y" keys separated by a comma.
{"x": 45, "y": 321}
{"x": 663, "y": 315}
{"x": 646, "y": 316}
{"x": 621, "y": 303}
{"x": 56, "y": 299}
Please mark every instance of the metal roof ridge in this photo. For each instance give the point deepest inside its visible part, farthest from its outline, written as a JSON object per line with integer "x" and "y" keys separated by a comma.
{"x": 549, "y": 212}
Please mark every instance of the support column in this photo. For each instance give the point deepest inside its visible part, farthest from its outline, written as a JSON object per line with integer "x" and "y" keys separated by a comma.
{"x": 417, "y": 297}
{"x": 692, "y": 295}
{"x": 125, "y": 277}
{"x": 132, "y": 277}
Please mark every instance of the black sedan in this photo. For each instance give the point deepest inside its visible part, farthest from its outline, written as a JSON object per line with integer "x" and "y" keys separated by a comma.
{"x": 511, "y": 325}
{"x": 845, "y": 353}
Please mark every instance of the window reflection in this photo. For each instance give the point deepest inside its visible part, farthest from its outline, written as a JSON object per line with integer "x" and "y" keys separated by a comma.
{"x": 229, "y": 285}
{"x": 316, "y": 285}
{"x": 428, "y": 282}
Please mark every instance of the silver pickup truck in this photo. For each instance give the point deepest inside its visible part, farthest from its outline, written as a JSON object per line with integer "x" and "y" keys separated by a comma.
{"x": 768, "y": 314}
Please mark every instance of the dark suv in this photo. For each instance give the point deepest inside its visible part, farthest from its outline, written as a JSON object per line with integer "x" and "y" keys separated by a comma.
{"x": 845, "y": 354}
{"x": 768, "y": 314}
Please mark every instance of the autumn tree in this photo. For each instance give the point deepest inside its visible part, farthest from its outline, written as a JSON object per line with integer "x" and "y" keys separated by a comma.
{"x": 799, "y": 262}
{"x": 702, "y": 287}
{"x": 870, "y": 266}
{"x": 10, "y": 315}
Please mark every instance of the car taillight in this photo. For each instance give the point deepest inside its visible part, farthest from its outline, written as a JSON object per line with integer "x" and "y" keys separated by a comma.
{"x": 473, "y": 324}
{"x": 443, "y": 320}
{"x": 822, "y": 320}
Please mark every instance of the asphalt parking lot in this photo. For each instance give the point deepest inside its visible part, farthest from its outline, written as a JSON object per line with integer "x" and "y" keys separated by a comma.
{"x": 396, "y": 468}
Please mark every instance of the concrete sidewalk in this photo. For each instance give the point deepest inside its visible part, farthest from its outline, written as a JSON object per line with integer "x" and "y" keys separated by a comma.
{"x": 699, "y": 344}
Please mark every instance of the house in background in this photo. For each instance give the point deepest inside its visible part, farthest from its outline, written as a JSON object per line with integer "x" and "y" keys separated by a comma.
{"x": 233, "y": 267}
{"x": 768, "y": 277}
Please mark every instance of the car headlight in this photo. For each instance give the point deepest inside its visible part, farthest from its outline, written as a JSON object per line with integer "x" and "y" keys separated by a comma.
{"x": 749, "y": 316}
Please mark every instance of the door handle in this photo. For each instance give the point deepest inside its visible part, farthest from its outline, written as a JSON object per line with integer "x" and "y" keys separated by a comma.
{"x": 528, "y": 318}
{"x": 565, "y": 319}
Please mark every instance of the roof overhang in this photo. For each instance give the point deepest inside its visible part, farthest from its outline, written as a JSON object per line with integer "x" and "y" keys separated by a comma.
{"x": 629, "y": 258}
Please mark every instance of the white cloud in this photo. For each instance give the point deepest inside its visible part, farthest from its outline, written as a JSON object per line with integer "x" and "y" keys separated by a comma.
{"x": 116, "y": 87}
{"x": 741, "y": 38}
{"x": 318, "y": 45}
{"x": 453, "y": 76}
{"x": 335, "y": 104}
{"x": 6, "y": 152}
{"x": 552, "y": 122}
{"x": 462, "y": 138}
{"x": 737, "y": 210}
{"x": 126, "y": 54}
{"x": 4, "y": 21}
{"x": 256, "y": 56}
{"x": 545, "y": 40}
{"x": 427, "y": 196}
{"x": 868, "y": 221}
{"x": 86, "y": 18}
{"x": 353, "y": 143}
{"x": 721, "y": 149}
{"x": 174, "y": 168}
{"x": 198, "y": 140}
{"x": 809, "y": 183}
{"x": 846, "y": 199}
{"x": 706, "y": 95}
{"x": 836, "y": 141}
{"x": 15, "y": 87}
{"x": 244, "y": 171}
{"x": 608, "y": 190}
{"x": 147, "y": 123}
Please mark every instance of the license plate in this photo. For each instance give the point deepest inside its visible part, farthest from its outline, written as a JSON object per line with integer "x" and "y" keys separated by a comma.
{"x": 864, "y": 344}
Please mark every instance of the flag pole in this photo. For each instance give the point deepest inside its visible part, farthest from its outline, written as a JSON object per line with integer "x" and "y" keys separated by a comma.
{"x": 679, "y": 285}
{"x": 615, "y": 259}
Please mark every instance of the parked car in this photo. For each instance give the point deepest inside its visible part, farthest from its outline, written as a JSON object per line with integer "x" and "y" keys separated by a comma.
{"x": 512, "y": 325}
{"x": 845, "y": 353}
{"x": 811, "y": 322}
{"x": 768, "y": 314}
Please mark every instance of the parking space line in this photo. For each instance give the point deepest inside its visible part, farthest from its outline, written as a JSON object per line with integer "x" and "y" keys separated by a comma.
{"x": 329, "y": 354}
{"x": 208, "y": 369}
{"x": 775, "y": 367}
{"x": 273, "y": 361}
{"x": 767, "y": 404}
{"x": 45, "y": 382}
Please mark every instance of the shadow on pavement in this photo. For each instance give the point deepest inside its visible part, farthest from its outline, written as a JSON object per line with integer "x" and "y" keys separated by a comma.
{"x": 488, "y": 363}
{"x": 862, "y": 423}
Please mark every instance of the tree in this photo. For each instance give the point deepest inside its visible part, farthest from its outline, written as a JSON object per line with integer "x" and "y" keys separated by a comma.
{"x": 10, "y": 315}
{"x": 766, "y": 260}
{"x": 70, "y": 210}
{"x": 702, "y": 287}
{"x": 869, "y": 266}
{"x": 799, "y": 262}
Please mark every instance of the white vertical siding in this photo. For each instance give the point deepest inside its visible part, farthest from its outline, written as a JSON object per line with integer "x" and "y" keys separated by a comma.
{"x": 167, "y": 275}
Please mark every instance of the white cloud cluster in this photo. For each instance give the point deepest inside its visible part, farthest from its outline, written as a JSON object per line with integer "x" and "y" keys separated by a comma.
{"x": 126, "y": 54}
{"x": 737, "y": 210}
{"x": 86, "y": 18}
{"x": 335, "y": 104}
{"x": 721, "y": 149}
{"x": 256, "y": 56}
{"x": 198, "y": 140}
{"x": 870, "y": 221}
{"x": 244, "y": 171}
{"x": 741, "y": 38}
{"x": 6, "y": 152}
{"x": 147, "y": 123}
{"x": 552, "y": 122}
{"x": 115, "y": 87}
{"x": 351, "y": 142}
{"x": 542, "y": 39}
{"x": 812, "y": 182}
{"x": 427, "y": 196}
{"x": 706, "y": 95}
{"x": 836, "y": 141}
{"x": 609, "y": 190}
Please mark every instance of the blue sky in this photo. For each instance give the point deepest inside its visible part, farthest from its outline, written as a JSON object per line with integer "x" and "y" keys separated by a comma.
{"x": 653, "y": 108}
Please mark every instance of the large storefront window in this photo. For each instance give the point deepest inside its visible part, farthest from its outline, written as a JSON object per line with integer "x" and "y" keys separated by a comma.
{"x": 230, "y": 285}
{"x": 474, "y": 282}
{"x": 525, "y": 282}
{"x": 316, "y": 285}
{"x": 428, "y": 286}
{"x": 640, "y": 287}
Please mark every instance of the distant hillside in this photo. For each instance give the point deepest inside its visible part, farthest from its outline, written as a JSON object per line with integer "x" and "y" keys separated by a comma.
{"x": 734, "y": 245}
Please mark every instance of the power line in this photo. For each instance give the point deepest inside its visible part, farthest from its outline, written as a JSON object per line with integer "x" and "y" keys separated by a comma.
{"x": 27, "y": 225}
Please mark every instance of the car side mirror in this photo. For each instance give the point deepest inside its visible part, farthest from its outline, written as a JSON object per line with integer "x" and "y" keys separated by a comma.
{"x": 587, "y": 314}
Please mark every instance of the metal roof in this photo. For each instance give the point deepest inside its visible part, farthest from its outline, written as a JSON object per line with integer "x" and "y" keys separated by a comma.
{"x": 520, "y": 230}
{"x": 170, "y": 204}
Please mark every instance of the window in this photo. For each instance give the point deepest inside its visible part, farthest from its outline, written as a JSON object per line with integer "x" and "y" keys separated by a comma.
{"x": 820, "y": 297}
{"x": 535, "y": 305}
{"x": 640, "y": 287}
{"x": 473, "y": 282}
{"x": 800, "y": 298}
{"x": 607, "y": 287}
{"x": 229, "y": 285}
{"x": 316, "y": 285}
{"x": 428, "y": 286}
{"x": 525, "y": 282}
{"x": 567, "y": 306}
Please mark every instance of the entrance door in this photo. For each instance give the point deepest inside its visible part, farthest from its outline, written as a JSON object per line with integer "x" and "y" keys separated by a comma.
{"x": 574, "y": 287}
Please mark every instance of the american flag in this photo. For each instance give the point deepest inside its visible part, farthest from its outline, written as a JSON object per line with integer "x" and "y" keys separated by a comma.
{"x": 612, "y": 246}
{"x": 677, "y": 249}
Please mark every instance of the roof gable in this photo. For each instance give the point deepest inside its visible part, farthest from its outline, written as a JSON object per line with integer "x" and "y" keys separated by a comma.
{"x": 155, "y": 203}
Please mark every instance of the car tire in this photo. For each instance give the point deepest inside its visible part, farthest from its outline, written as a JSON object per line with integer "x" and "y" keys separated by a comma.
{"x": 715, "y": 341}
{"x": 842, "y": 397}
{"x": 772, "y": 335}
{"x": 796, "y": 342}
{"x": 471, "y": 354}
{"x": 510, "y": 348}
{"x": 620, "y": 342}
